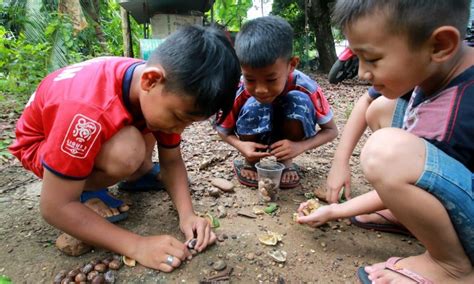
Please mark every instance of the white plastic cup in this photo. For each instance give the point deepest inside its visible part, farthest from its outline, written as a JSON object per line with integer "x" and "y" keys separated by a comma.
{"x": 269, "y": 176}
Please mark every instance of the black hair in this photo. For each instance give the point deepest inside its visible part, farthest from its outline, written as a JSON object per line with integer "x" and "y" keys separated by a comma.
{"x": 415, "y": 18}
{"x": 261, "y": 41}
{"x": 201, "y": 62}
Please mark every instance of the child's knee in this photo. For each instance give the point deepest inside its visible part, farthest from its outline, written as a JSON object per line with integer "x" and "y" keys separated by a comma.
{"x": 379, "y": 113}
{"x": 380, "y": 151}
{"x": 124, "y": 153}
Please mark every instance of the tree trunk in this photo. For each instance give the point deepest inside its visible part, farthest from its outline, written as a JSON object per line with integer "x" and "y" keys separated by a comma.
{"x": 126, "y": 33}
{"x": 93, "y": 10}
{"x": 320, "y": 21}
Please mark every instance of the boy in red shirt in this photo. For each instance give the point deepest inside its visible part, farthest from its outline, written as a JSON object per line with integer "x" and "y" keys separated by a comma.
{"x": 84, "y": 129}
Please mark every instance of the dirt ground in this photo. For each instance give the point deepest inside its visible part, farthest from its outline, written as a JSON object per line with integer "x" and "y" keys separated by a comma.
{"x": 330, "y": 254}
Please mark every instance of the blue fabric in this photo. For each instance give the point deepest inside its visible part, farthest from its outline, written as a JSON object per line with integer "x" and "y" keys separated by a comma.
{"x": 145, "y": 183}
{"x": 450, "y": 182}
{"x": 257, "y": 118}
{"x": 104, "y": 196}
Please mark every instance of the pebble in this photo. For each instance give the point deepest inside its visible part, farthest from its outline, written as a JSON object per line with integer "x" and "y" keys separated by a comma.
{"x": 219, "y": 265}
{"x": 223, "y": 184}
{"x": 222, "y": 212}
{"x": 214, "y": 192}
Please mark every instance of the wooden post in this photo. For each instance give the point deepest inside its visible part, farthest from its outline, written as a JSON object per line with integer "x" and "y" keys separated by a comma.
{"x": 126, "y": 33}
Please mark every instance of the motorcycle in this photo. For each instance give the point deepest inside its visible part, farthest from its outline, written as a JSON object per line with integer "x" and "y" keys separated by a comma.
{"x": 469, "y": 39}
{"x": 345, "y": 67}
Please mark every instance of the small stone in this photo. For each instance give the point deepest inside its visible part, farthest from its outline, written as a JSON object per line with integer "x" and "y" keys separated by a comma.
{"x": 250, "y": 256}
{"x": 71, "y": 246}
{"x": 115, "y": 264}
{"x": 222, "y": 212}
{"x": 109, "y": 277}
{"x": 214, "y": 192}
{"x": 101, "y": 267}
{"x": 223, "y": 184}
{"x": 219, "y": 265}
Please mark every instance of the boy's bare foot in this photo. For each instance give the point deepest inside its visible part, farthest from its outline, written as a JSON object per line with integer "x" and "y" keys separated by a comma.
{"x": 99, "y": 207}
{"x": 290, "y": 177}
{"x": 249, "y": 173}
{"x": 424, "y": 266}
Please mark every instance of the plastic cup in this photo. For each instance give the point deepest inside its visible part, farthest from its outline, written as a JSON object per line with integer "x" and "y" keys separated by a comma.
{"x": 269, "y": 176}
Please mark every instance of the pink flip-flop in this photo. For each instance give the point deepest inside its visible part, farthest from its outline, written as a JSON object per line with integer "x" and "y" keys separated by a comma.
{"x": 391, "y": 264}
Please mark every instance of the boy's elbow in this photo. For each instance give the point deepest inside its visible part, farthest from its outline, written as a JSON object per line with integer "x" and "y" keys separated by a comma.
{"x": 47, "y": 211}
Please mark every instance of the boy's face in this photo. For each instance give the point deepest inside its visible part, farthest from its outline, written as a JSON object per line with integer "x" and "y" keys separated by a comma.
{"x": 386, "y": 60}
{"x": 168, "y": 112}
{"x": 266, "y": 83}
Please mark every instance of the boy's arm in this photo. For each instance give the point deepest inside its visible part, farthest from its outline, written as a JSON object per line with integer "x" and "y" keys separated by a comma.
{"x": 339, "y": 175}
{"x": 362, "y": 204}
{"x": 174, "y": 176}
{"x": 287, "y": 149}
{"x": 60, "y": 206}
{"x": 247, "y": 148}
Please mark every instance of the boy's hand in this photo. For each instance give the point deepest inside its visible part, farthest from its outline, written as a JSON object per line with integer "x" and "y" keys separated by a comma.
{"x": 285, "y": 149}
{"x": 250, "y": 150}
{"x": 339, "y": 177}
{"x": 155, "y": 252}
{"x": 319, "y": 217}
{"x": 199, "y": 228}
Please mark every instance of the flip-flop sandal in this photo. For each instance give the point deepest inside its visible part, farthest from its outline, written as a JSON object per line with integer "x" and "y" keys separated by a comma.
{"x": 147, "y": 182}
{"x": 393, "y": 227}
{"x": 288, "y": 185}
{"x": 238, "y": 166}
{"x": 112, "y": 202}
{"x": 391, "y": 264}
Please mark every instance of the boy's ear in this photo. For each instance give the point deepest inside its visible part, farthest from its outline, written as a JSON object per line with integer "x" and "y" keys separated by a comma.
{"x": 294, "y": 61}
{"x": 445, "y": 43}
{"x": 151, "y": 76}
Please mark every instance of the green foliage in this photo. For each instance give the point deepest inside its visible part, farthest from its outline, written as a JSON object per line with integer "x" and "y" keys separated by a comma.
{"x": 35, "y": 40}
{"x": 230, "y": 13}
{"x": 293, "y": 12}
{"x": 22, "y": 64}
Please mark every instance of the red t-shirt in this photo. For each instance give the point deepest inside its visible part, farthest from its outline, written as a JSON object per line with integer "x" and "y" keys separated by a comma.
{"x": 73, "y": 112}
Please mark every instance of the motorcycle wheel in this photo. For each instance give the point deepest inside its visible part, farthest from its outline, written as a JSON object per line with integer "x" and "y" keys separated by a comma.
{"x": 342, "y": 70}
{"x": 337, "y": 73}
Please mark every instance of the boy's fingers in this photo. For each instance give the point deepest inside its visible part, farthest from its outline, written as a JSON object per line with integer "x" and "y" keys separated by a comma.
{"x": 205, "y": 239}
{"x": 347, "y": 190}
{"x": 261, "y": 146}
{"x": 302, "y": 206}
{"x": 178, "y": 249}
{"x": 173, "y": 256}
{"x": 212, "y": 238}
{"x": 200, "y": 234}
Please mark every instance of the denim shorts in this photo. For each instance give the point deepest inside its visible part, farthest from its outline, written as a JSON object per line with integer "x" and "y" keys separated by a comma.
{"x": 266, "y": 119}
{"x": 450, "y": 182}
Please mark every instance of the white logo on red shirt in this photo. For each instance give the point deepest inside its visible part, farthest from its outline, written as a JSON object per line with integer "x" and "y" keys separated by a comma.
{"x": 80, "y": 136}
